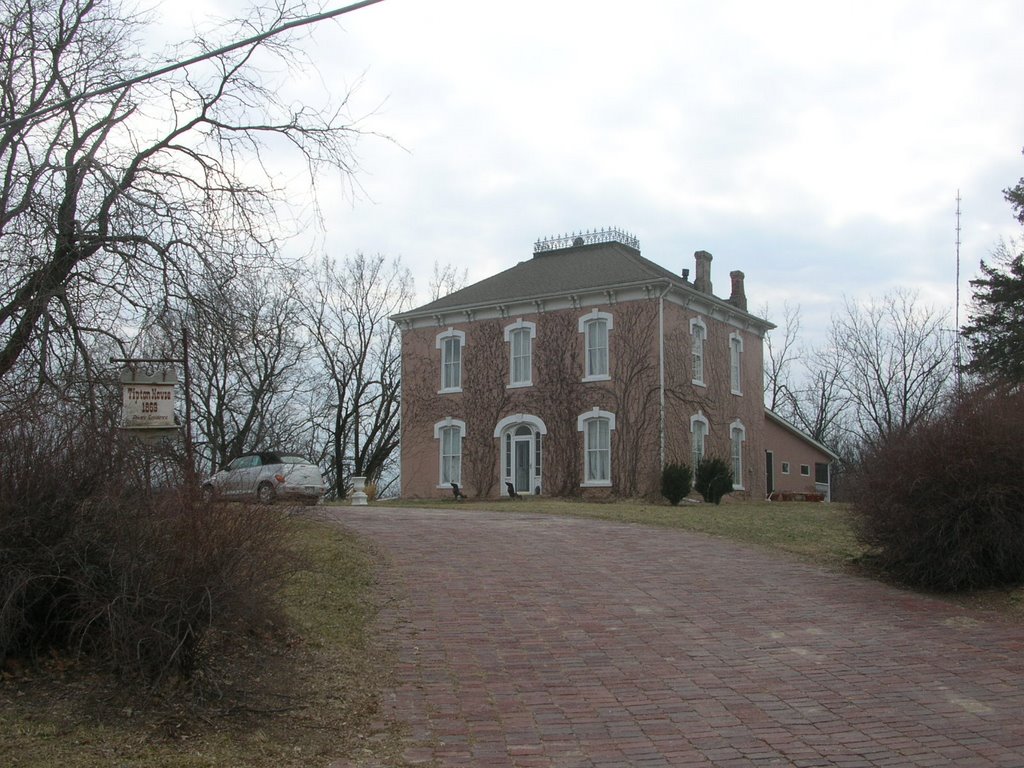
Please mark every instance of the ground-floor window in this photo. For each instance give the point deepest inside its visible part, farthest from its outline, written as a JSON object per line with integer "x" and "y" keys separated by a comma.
{"x": 597, "y": 426}
{"x": 737, "y": 436}
{"x": 449, "y": 434}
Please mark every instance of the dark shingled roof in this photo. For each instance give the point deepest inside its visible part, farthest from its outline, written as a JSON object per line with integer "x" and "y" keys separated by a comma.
{"x": 568, "y": 270}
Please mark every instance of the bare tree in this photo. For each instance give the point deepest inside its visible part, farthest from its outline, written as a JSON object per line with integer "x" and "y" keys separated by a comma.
{"x": 446, "y": 279}
{"x": 780, "y": 356}
{"x": 359, "y": 351}
{"x": 106, "y": 198}
{"x": 247, "y": 357}
{"x": 897, "y": 364}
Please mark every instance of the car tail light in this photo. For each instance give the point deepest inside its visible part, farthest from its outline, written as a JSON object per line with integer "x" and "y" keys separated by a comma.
{"x": 279, "y": 478}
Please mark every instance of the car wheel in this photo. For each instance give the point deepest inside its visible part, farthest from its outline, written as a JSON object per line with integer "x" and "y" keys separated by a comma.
{"x": 265, "y": 493}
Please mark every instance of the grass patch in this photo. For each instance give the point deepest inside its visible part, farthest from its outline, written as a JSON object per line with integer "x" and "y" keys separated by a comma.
{"x": 277, "y": 697}
{"x": 816, "y": 532}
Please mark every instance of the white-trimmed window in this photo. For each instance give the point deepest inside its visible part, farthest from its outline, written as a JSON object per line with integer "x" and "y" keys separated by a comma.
{"x": 805, "y": 470}
{"x": 520, "y": 337}
{"x": 698, "y": 335}
{"x": 785, "y": 467}
{"x": 737, "y": 437}
{"x": 595, "y": 328}
{"x": 698, "y": 435}
{"x": 735, "y": 363}
{"x": 450, "y": 343}
{"x": 597, "y": 426}
{"x": 449, "y": 433}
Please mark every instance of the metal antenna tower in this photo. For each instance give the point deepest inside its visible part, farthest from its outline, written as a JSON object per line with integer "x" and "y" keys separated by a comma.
{"x": 956, "y": 312}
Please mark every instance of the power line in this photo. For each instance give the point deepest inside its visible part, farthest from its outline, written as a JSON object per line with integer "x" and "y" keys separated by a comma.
{"x": 194, "y": 60}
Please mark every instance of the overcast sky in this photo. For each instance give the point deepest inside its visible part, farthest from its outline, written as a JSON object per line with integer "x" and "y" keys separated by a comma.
{"x": 817, "y": 146}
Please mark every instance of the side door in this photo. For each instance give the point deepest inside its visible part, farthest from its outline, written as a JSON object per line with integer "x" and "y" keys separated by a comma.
{"x": 248, "y": 476}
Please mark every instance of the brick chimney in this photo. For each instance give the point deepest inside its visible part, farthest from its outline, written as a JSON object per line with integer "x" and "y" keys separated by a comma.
{"x": 738, "y": 297}
{"x": 702, "y": 274}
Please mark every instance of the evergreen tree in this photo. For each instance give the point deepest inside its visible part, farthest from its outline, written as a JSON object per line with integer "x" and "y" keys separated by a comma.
{"x": 995, "y": 334}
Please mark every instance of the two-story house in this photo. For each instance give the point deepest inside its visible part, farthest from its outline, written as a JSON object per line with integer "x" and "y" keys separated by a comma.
{"x": 581, "y": 371}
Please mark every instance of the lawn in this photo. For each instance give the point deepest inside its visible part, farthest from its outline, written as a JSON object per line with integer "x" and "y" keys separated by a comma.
{"x": 815, "y": 532}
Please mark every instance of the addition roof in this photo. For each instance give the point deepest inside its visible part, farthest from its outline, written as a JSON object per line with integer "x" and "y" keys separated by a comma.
{"x": 572, "y": 270}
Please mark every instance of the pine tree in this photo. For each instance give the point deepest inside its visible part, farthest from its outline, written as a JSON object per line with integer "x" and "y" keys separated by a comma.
{"x": 995, "y": 334}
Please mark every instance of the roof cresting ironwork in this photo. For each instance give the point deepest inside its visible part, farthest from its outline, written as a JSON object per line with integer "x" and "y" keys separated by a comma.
{"x": 612, "y": 235}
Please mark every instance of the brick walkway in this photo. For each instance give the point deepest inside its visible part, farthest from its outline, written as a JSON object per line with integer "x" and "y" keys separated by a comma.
{"x": 538, "y": 641}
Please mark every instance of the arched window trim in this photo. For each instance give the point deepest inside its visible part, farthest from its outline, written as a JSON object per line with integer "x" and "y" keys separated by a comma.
{"x": 736, "y": 363}
{"x": 585, "y": 324}
{"x": 439, "y": 427}
{"x": 698, "y": 349}
{"x": 698, "y": 418}
{"x": 582, "y": 424}
{"x": 737, "y": 456}
{"x": 510, "y": 329}
{"x": 439, "y": 343}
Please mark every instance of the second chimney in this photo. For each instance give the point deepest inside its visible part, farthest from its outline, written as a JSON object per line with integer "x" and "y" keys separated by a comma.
{"x": 702, "y": 274}
{"x": 738, "y": 297}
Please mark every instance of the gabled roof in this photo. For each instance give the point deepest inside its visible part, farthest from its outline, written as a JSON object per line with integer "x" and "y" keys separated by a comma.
{"x": 797, "y": 432}
{"x": 573, "y": 270}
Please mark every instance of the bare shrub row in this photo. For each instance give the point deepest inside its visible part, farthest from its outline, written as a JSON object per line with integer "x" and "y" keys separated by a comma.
{"x": 942, "y": 505}
{"x": 104, "y": 551}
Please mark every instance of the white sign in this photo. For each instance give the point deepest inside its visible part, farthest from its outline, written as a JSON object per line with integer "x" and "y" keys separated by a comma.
{"x": 147, "y": 401}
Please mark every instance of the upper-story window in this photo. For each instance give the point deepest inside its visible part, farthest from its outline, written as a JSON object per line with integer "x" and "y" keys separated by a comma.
{"x": 450, "y": 343}
{"x": 737, "y": 436}
{"x": 520, "y": 337}
{"x": 698, "y": 335}
{"x": 735, "y": 363}
{"x": 698, "y": 434}
{"x": 595, "y": 328}
{"x": 597, "y": 426}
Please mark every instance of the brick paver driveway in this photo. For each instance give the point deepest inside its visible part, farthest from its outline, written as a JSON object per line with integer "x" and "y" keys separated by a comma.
{"x": 528, "y": 640}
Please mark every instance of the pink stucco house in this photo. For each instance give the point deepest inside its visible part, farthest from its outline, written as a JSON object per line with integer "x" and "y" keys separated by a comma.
{"x": 582, "y": 371}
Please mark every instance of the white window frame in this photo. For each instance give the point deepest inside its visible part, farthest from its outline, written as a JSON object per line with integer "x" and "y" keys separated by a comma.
{"x": 587, "y": 324}
{"x": 736, "y": 363}
{"x": 698, "y": 343}
{"x": 519, "y": 328}
{"x": 701, "y": 419}
{"x": 596, "y": 415}
{"x": 441, "y": 342}
{"x": 736, "y": 451}
{"x": 805, "y": 470}
{"x": 440, "y": 429}
{"x": 785, "y": 467}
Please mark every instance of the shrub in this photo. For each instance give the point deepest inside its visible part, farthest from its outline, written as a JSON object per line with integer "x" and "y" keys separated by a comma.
{"x": 676, "y": 481}
{"x": 942, "y": 506}
{"x": 96, "y": 560}
{"x": 714, "y": 479}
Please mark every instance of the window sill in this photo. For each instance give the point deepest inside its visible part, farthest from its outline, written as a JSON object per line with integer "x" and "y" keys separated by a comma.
{"x": 596, "y": 484}
{"x": 599, "y": 377}
{"x": 697, "y": 383}
{"x": 451, "y": 391}
{"x": 519, "y": 385}
{"x": 736, "y": 392}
